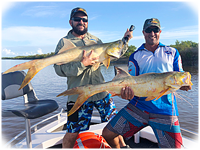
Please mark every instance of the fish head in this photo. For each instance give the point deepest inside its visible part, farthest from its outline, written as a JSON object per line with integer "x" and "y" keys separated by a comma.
{"x": 178, "y": 79}
{"x": 187, "y": 79}
{"x": 115, "y": 49}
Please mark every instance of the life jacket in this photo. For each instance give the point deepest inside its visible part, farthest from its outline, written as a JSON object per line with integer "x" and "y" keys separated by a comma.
{"x": 90, "y": 140}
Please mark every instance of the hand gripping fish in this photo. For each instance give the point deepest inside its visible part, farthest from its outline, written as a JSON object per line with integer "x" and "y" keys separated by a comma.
{"x": 150, "y": 85}
{"x": 71, "y": 53}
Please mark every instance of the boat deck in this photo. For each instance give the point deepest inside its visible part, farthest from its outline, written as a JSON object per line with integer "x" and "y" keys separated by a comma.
{"x": 51, "y": 135}
{"x": 144, "y": 143}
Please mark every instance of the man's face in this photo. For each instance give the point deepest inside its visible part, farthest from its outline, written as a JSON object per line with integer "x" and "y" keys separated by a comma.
{"x": 152, "y": 35}
{"x": 79, "y": 27}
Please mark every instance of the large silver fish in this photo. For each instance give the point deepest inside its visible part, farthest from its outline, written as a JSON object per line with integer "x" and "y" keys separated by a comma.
{"x": 150, "y": 85}
{"x": 71, "y": 53}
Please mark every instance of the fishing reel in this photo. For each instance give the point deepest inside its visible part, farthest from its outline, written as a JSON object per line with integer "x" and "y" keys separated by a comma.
{"x": 125, "y": 39}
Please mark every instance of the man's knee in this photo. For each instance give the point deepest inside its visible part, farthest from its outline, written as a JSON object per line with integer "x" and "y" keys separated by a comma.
{"x": 69, "y": 140}
{"x": 71, "y": 135}
{"x": 107, "y": 134}
{"x": 111, "y": 138}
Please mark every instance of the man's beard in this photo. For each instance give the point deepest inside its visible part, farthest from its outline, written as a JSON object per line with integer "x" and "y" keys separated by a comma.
{"x": 79, "y": 32}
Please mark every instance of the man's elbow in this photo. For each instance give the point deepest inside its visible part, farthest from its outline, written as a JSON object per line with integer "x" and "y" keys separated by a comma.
{"x": 58, "y": 70}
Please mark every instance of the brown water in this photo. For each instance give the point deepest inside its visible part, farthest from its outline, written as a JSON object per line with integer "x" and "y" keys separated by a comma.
{"x": 47, "y": 85}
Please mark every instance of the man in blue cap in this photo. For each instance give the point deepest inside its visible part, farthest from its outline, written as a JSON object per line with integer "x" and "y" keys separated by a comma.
{"x": 161, "y": 115}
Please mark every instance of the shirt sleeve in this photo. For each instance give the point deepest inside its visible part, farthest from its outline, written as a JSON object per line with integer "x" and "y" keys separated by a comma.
{"x": 133, "y": 67}
{"x": 177, "y": 64}
{"x": 69, "y": 69}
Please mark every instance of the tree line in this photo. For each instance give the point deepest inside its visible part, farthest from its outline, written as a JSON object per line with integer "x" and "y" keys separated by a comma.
{"x": 187, "y": 49}
{"x": 37, "y": 56}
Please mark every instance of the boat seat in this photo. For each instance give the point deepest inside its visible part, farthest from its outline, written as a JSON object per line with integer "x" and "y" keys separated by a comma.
{"x": 33, "y": 108}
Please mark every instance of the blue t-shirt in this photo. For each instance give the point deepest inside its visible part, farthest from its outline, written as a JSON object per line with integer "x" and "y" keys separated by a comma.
{"x": 164, "y": 59}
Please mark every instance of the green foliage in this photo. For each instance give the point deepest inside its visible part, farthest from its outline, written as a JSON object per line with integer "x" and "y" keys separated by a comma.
{"x": 184, "y": 45}
{"x": 37, "y": 56}
{"x": 188, "y": 51}
{"x": 130, "y": 50}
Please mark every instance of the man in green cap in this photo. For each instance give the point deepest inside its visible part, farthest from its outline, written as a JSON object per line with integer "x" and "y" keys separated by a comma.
{"x": 161, "y": 115}
{"x": 82, "y": 73}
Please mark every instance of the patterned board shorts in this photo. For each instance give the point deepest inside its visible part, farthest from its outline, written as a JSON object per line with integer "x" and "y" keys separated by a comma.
{"x": 130, "y": 120}
{"x": 80, "y": 120}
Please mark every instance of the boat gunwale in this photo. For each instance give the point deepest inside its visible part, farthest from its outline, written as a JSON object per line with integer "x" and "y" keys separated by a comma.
{"x": 58, "y": 115}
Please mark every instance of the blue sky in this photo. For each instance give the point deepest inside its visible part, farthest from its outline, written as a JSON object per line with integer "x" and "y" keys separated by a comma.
{"x": 35, "y": 27}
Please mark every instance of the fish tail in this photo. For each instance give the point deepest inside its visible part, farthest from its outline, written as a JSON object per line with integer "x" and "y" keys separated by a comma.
{"x": 19, "y": 67}
{"x": 83, "y": 96}
{"x": 33, "y": 67}
{"x": 84, "y": 92}
{"x": 33, "y": 70}
{"x": 79, "y": 102}
{"x": 73, "y": 91}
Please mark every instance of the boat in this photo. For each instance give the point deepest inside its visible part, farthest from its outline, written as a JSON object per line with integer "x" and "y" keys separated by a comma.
{"x": 51, "y": 134}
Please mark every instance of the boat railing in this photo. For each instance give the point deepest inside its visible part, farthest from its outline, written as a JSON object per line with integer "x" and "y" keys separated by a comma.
{"x": 189, "y": 131}
{"x": 34, "y": 127}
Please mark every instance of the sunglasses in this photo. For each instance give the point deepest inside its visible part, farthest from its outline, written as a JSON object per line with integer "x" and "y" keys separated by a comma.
{"x": 78, "y": 19}
{"x": 149, "y": 30}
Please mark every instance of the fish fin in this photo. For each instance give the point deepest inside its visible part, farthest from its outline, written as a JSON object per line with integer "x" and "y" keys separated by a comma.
{"x": 163, "y": 93}
{"x": 20, "y": 67}
{"x": 153, "y": 97}
{"x": 114, "y": 94}
{"x": 90, "y": 42}
{"x": 73, "y": 91}
{"x": 120, "y": 74}
{"x": 33, "y": 70}
{"x": 106, "y": 62}
{"x": 80, "y": 100}
{"x": 96, "y": 66}
{"x": 67, "y": 45}
{"x": 150, "y": 98}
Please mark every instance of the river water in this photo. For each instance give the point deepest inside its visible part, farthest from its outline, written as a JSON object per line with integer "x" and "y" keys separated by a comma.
{"x": 47, "y": 85}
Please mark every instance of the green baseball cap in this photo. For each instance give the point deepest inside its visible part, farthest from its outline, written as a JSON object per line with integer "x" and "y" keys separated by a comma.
{"x": 151, "y": 22}
{"x": 77, "y": 9}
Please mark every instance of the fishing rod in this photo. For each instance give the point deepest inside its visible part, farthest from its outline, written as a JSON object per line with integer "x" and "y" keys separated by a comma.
{"x": 125, "y": 39}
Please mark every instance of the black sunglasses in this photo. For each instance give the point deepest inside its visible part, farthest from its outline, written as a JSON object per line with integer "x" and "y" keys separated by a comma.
{"x": 149, "y": 30}
{"x": 78, "y": 19}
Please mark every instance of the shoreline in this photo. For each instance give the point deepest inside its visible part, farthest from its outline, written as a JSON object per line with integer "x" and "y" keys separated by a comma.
{"x": 123, "y": 60}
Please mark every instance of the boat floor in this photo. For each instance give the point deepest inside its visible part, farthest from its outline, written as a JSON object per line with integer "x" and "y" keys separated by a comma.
{"x": 144, "y": 143}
